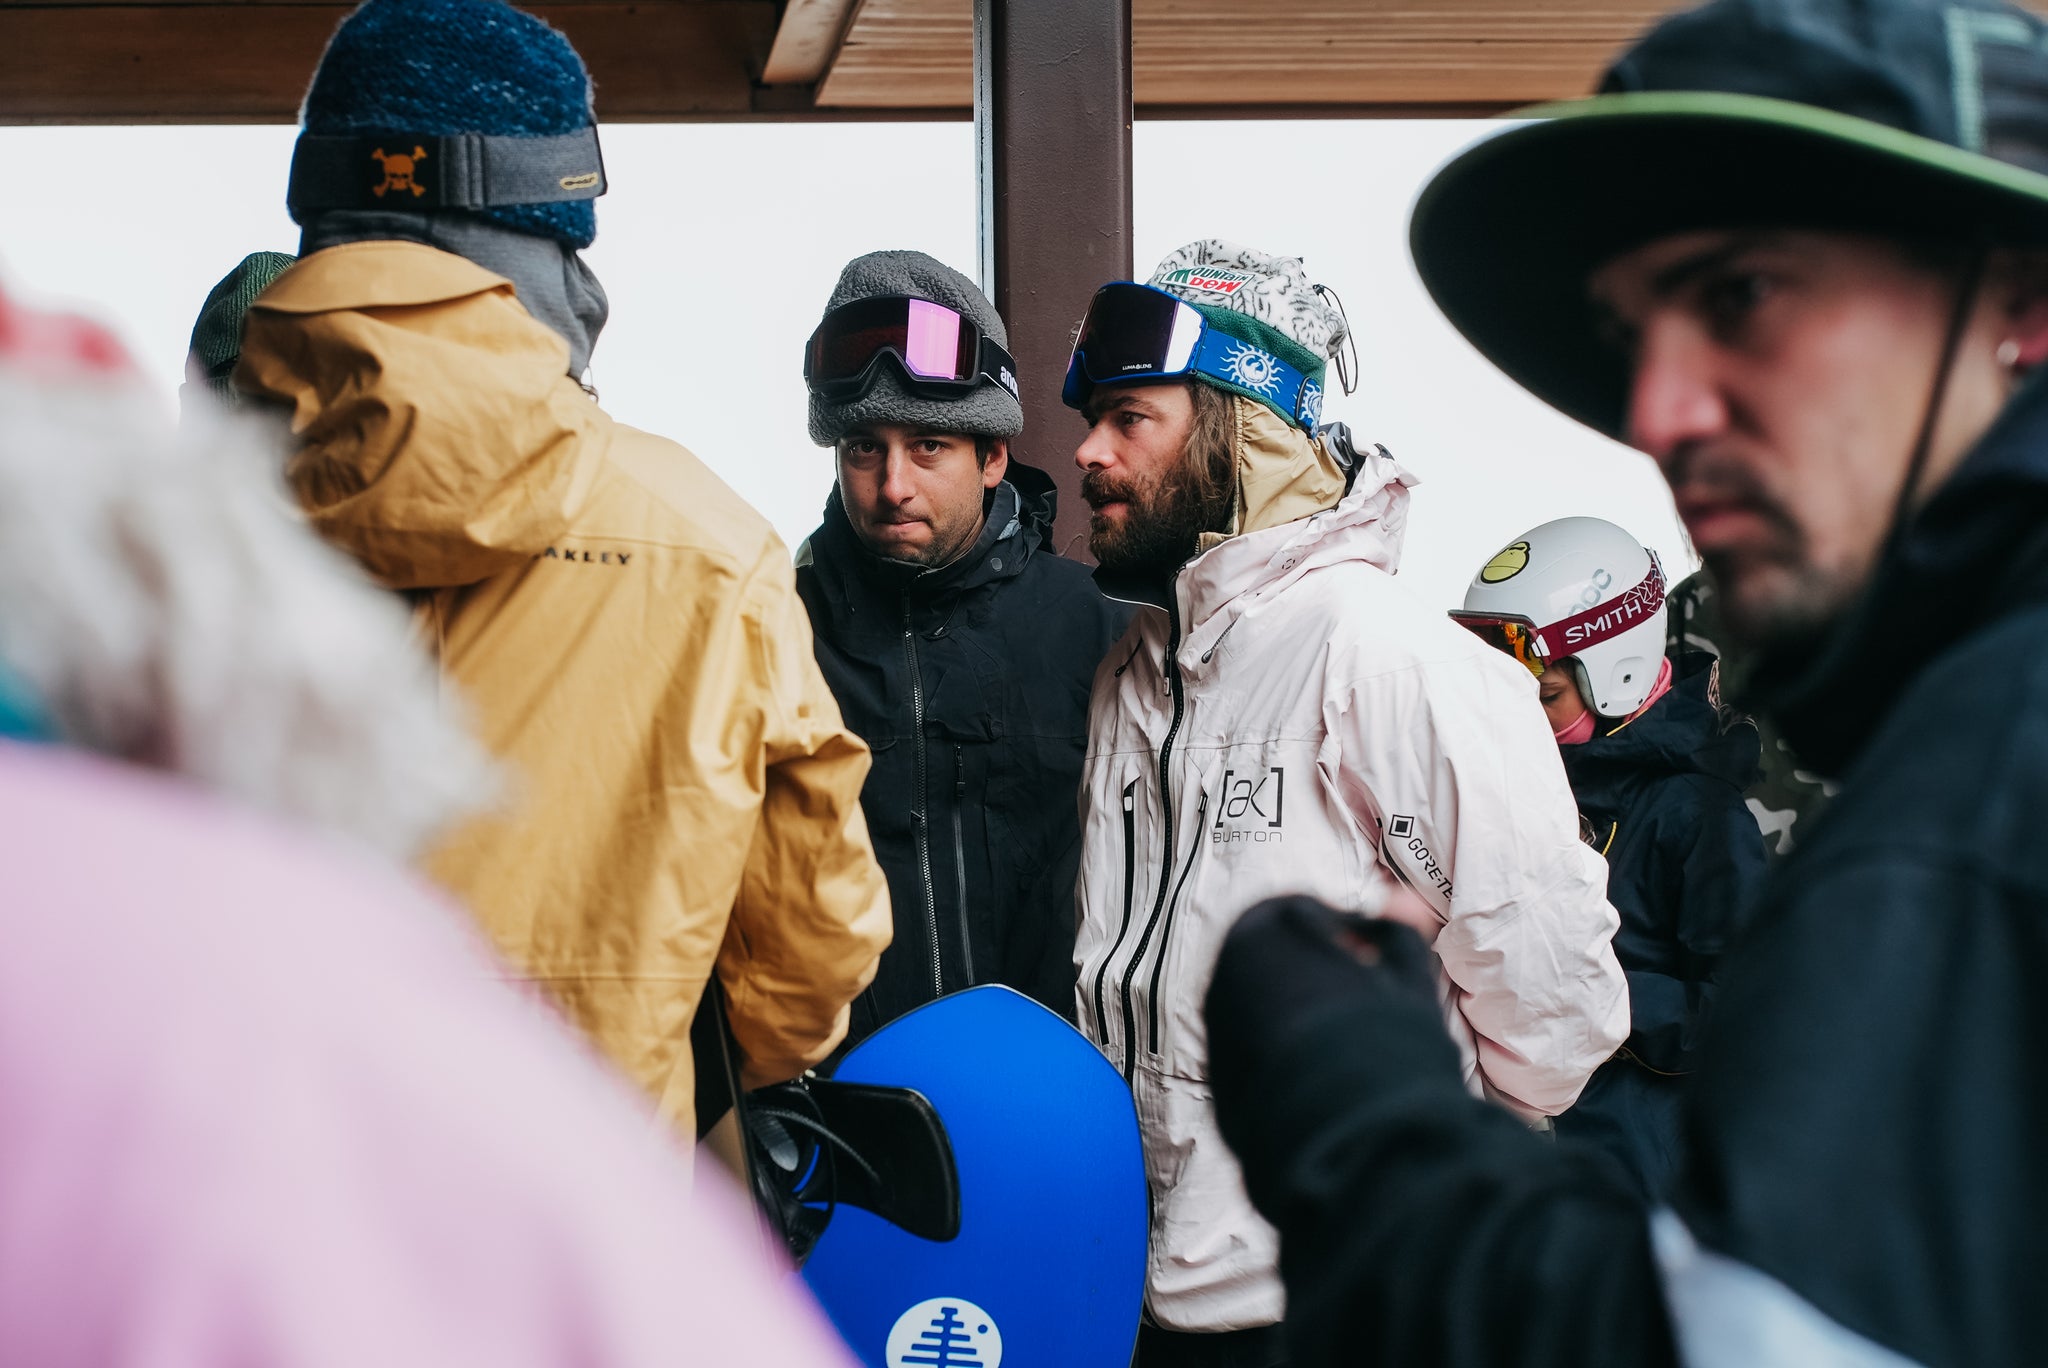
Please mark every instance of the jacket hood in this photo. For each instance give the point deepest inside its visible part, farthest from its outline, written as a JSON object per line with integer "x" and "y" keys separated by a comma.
{"x": 1019, "y": 520}
{"x": 1973, "y": 553}
{"x": 1283, "y": 473}
{"x": 440, "y": 438}
{"x": 1684, "y": 732}
{"x": 1213, "y": 589}
{"x": 1287, "y": 478}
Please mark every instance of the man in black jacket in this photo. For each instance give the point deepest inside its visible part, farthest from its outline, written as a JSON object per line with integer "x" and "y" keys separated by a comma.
{"x": 960, "y": 647}
{"x": 1815, "y": 230}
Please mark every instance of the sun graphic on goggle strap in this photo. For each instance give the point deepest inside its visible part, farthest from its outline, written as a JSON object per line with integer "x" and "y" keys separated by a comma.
{"x": 1311, "y": 403}
{"x": 1253, "y": 368}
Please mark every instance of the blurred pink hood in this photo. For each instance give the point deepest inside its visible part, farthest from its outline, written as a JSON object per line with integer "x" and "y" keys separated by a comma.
{"x": 263, "y": 1103}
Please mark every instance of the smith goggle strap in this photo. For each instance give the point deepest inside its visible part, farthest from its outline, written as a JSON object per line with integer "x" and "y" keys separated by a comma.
{"x": 1606, "y": 620}
{"x": 1536, "y": 647}
{"x": 455, "y": 171}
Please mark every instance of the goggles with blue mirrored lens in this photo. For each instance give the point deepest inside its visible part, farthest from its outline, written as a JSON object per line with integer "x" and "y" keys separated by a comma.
{"x": 1140, "y": 332}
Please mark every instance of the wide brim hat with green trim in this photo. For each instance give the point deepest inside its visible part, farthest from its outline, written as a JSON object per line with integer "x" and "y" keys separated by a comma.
{"x": 1918, "y": 119}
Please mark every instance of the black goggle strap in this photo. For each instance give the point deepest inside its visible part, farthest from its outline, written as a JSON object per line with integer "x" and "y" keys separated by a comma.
{"x": 998, "y": 365}
{"x": 455, "y": 171}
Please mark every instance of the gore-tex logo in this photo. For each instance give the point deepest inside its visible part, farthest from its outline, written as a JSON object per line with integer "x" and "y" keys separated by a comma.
{"x": 1419, "y": 859}
{"x": 1252, "y": 806}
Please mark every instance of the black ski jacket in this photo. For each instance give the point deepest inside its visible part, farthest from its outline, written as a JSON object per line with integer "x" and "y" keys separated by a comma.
{"x": 1865, "y": 1179}
{"x": 970, "y": 684}
{"x": 1663, "y": 798}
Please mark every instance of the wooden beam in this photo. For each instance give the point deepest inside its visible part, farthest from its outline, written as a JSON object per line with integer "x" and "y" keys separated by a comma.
{"x": 1053, "y": 135}
{"x": 806, "y": 41}
{"x": 205, "y": 61}
{"x": 1360, "y": 55}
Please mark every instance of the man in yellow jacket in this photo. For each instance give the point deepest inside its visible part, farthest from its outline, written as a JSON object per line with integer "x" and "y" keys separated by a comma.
{"x": 623, "y": 629}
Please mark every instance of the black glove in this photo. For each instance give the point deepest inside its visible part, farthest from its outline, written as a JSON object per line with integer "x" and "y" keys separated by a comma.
{"x": 1289, "y": 971}
{"x": 1418, "y": 1224}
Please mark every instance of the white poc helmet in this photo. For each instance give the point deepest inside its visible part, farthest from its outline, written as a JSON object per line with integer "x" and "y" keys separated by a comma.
{"x": 1577, "y": 589}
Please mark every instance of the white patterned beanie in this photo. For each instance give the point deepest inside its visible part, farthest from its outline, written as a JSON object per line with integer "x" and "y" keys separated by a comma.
{"x": 1267, "y": 301}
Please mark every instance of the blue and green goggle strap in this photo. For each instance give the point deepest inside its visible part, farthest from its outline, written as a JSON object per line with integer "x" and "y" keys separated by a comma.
{"x": 1237, "y": 364}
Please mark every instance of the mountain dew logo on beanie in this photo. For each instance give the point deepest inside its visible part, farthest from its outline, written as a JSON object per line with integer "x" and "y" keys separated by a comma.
{"x": 1212, "y": 279}
{"x": 1268, "y": 305}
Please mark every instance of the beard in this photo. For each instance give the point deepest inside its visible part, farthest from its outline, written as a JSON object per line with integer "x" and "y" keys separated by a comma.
{"x": 1781, "y": 608}
{"x": 1164, "y": 518}
{"x": 1770, "y": 592}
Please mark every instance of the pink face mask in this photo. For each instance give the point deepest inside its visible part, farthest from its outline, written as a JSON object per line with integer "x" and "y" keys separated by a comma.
{"x": 1579, "y": 732}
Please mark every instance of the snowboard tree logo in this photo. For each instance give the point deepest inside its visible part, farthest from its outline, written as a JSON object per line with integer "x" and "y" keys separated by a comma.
{"x": 945, "y": 1332}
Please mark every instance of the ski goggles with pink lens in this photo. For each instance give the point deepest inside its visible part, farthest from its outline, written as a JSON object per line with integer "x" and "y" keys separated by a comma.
{"x": 937, "y": 349}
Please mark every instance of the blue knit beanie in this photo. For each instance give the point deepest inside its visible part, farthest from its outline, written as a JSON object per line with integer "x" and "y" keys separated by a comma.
{"x": 457, "y": 66}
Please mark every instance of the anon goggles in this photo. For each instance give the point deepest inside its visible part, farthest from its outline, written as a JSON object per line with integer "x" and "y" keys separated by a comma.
{"x": 937, "y": 348}
{"x": 1539, "y": 647}
{"x": 1140, "y": 332}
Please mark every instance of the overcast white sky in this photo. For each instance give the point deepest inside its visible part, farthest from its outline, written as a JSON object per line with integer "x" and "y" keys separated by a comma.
{"x": 720, "y": 242}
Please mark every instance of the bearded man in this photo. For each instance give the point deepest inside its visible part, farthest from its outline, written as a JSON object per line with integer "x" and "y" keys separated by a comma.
{"x": 1281, "y": 717}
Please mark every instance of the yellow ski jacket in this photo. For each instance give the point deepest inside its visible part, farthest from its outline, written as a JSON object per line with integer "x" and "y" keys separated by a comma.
{"x": 626, "y": 635}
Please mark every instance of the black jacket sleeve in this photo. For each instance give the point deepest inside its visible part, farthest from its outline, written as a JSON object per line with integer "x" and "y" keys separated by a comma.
{"x": 1711, "y": 877}
{"x": 1418, "y": 1224}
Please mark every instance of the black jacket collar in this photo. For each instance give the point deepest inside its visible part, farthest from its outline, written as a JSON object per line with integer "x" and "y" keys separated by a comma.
{"x": 1973, "y": 554}
{"x": 1684, "y": 732}
{"x": 1019, "y": 519}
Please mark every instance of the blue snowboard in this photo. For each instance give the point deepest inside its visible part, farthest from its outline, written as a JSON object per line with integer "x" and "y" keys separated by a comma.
{"x": 1048, "y": 1270}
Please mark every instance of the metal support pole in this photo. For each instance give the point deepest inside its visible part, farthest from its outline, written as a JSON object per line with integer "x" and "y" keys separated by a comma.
{"x": 1052, "y": 126}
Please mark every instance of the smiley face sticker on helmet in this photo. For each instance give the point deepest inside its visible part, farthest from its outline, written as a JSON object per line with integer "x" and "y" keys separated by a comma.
{"x": 1509, "y": 562}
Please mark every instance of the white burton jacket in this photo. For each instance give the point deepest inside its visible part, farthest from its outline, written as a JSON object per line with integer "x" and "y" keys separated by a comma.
{"x": 1297, "y": 723}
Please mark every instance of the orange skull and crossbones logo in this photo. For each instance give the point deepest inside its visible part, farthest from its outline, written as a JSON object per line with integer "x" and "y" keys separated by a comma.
{"x": 398, "y": 171}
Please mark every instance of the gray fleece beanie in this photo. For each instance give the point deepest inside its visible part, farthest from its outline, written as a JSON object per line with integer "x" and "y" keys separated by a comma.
{"x": 989, "y": 410}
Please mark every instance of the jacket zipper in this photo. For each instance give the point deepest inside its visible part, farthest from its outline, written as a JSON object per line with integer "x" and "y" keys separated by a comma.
{"x": 1166, "y": 931}
{"x": 960, "y": 860}
{"x": 920, "y": 805}
{"x": 1173, "y": 685}
{"x": 1130, "y": 887}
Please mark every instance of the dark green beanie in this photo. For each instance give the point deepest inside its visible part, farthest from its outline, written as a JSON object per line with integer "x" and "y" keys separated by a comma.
{"x": 217, "y": 336}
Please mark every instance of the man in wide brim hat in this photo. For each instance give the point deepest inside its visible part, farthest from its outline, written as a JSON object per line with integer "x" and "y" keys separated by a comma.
{"x": 1797, "y": 252}
{"x": 1689, "y": 132}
